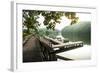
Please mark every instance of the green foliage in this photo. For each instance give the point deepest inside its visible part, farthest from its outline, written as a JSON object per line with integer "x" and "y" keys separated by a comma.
{"x": 72, "y": 16}
{"x": 51, "y": 18}
{"x": 46, "y": 32}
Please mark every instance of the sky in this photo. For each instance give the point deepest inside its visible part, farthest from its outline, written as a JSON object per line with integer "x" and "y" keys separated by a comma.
{"x": 65, "y": 21}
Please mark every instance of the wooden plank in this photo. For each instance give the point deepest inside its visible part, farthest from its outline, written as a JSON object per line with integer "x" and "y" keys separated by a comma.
{"x": 64, "y": 49}
{"x": 27, "y": 38}
{"x": 67, "y": 45}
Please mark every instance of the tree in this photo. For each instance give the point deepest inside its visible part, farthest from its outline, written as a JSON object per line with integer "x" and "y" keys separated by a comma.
{"x": 51, "y": 18}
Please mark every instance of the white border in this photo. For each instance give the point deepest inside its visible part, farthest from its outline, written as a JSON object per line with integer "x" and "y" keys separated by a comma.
{"x": 17, "y": 38}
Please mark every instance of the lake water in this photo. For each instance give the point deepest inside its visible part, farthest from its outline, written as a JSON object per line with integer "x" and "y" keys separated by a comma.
{"x": 82, "y": 53}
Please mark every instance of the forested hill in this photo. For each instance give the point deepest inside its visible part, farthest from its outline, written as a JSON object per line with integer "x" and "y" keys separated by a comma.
{"x": 78, "y": 32}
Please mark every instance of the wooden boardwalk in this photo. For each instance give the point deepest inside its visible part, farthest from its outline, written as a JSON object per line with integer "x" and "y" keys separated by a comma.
{"x": 68, "y": 45}
{"x": 58, "y": 44}
{"x": 43, "y": 49}
{"x": 63, "y": 46}
{"x": 53, "y": 41}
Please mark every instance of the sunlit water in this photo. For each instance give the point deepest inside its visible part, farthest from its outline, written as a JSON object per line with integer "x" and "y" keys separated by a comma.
{"x": 82, "y": 53}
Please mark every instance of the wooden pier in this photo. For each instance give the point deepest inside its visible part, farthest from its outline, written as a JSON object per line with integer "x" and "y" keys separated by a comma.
{"x": 44, "y": 49}
{"x": 57, "y": 44}
{"x": 68, "y": 45}
{"x": 62, "y": 46}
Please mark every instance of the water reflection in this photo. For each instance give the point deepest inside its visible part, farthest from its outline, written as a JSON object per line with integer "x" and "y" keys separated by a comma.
{"x": 82, "y": 53}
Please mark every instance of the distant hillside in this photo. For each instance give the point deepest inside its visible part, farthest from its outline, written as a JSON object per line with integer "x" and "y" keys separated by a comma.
{"x": 78, "y": 32}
